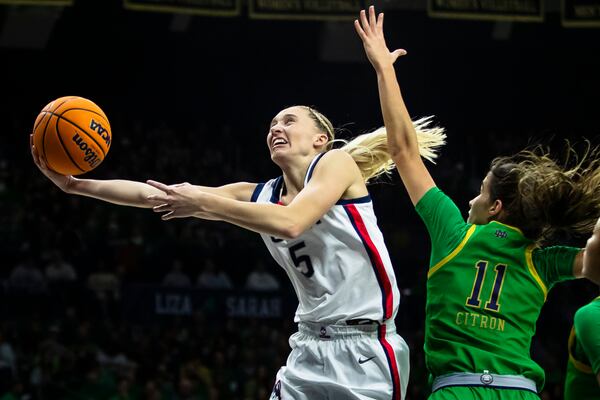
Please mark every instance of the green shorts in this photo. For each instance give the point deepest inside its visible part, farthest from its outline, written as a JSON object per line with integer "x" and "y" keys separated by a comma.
{"x": 481, "y": 393}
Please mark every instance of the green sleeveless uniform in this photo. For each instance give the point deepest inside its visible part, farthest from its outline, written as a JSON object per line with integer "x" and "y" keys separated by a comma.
{"x": 485, "y": 289}
{"x": 584, "y": 354}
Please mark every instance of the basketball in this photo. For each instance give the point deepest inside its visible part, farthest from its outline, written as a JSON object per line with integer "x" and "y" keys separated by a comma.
{"x": 72, "y": 134}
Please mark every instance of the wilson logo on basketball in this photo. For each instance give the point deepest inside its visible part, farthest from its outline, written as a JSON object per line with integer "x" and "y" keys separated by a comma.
{"x": 90, "y": 155}
{"x": 95, "y": 126}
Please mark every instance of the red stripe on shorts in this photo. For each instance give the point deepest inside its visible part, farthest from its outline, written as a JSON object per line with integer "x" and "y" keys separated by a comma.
{"x": 391, "y": 357}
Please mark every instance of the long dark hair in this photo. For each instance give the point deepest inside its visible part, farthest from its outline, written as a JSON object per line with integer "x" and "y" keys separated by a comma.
{"x": 547, "y": 199}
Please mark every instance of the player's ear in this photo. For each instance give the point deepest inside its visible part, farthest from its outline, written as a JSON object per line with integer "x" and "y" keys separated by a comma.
{"x": 495, "y": 208}
{"x": 321, "y": 139}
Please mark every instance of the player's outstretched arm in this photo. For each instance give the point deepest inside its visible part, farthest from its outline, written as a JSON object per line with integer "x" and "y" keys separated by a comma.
{"x": 591, "y": 256}
{"x": 332, "y": 177}
{"x": 126, "y": 192}
{"x": 122, "y": 192}
{"x": 402, "y": 138}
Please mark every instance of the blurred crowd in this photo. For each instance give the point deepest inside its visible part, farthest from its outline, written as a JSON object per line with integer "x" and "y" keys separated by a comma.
{"x": 68, "y": 261}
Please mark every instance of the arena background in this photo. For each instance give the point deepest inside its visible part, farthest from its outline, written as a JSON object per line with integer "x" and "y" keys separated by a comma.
{"x": 100, "y": 301}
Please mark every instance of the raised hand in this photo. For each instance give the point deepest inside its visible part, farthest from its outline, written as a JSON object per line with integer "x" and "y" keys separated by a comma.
{"x": 62, "y": 181}
{"x": 370, "y": 31}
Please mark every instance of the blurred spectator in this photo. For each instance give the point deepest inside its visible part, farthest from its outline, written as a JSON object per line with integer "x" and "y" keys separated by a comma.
{"x": 59, "y": 270}
{"x": 151, "y": 391}
{"x": 260, "y": 279}
{"x": 176, "y": 276}
{"x": 124, "y": 391}
{"x": 8, "y": 363}
{"x": 210, "y": 278}
{"x": 26, "y": 276}
{"x": 104, "y": 283}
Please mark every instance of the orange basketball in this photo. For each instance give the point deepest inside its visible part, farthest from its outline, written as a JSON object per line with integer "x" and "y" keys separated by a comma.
{"x": 72, "y": 134}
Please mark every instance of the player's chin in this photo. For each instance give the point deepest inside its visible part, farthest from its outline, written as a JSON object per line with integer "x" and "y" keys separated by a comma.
{"x": 470, "y": 218}
{"x": 277, "y": 155}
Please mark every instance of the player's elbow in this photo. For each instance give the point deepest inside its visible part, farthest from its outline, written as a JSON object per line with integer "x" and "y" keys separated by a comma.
{"x": 402, "y": 154}
{"x": 292, "y": 231}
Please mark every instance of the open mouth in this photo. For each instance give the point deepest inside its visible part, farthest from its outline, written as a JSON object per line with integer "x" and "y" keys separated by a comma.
{"x": 278, "y": 143}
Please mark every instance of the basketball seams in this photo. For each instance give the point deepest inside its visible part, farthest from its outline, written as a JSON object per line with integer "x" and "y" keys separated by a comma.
{"x": 98, "y": 141}
{"x": 46, "y": 127}
{"x": 62, "y": 144}
{"x": 86, "y": 109}
{"x": 59, "y": 116}
{"x": 41, "y": 120}
{"x": 43, "y": 149}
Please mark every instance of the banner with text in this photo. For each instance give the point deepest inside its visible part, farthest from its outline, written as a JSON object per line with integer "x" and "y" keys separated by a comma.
{"x": 580, "y": 13}
{"x": 305, "y": 9}
{"x": 507, "y": 10}
{"x": 219, "y": 8}
{"x": 145, "y": 303}
{"x": 38, "y": 2}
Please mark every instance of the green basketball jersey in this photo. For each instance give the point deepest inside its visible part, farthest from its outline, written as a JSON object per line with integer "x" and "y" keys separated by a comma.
{"x": 486, "y": 286}
{"x": 584, "y": 354}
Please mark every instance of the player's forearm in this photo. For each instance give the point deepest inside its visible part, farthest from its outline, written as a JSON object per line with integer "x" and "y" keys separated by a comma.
{"x": 270, "y": 219}
{"x": 402, "y": 138}
{"x": 591, "y": 256}
{"x": 121, "y": 192}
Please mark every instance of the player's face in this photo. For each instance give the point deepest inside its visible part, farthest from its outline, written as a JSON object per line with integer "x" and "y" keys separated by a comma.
{"x": 480, "y": 206}
{"x": 293, "y": 133}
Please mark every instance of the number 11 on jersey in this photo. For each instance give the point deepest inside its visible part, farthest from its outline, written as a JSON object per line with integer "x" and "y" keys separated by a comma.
{"x": 493, "y": 303}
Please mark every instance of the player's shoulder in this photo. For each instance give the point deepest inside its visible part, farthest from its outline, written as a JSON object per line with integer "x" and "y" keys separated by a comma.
{"x": 337, "y": 155}
{"x": 336, "y": 160}
{"x": 590, "y": 310}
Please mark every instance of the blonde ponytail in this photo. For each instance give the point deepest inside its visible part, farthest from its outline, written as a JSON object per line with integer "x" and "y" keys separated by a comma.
{"x": 370, "y": 150}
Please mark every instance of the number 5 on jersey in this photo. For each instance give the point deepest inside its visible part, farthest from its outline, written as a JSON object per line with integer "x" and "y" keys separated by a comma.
{"x": 302, "y": 262}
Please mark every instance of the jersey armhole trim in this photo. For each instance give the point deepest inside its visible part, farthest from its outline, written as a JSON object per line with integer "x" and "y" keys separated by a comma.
{"x": 582, "y": 367}
{"x": 256, "y": 192}
{"x": 453, "y": 254}
{"x": 357, "y": 200}
{"x": 533, "y": 271}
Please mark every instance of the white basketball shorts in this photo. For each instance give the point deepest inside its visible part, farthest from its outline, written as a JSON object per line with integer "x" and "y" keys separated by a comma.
{"x": 341, "y": 362}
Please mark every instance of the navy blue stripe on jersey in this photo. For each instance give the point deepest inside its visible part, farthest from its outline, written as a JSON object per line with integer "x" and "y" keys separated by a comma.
{"x": 256, "y": 192}
{"x": 276, "y": 190}
{"x": 385, "y": 286}
{"x": 311, "y": 168}
{"x": 364, "y": 199}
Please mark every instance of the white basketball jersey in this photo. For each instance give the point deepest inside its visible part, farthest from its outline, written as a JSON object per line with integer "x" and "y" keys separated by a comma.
{"x": 340, "y": 267}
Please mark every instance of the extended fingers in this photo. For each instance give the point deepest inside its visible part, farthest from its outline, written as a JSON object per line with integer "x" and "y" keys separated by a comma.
{"x": 159, "y": 186}
{"x": 159, "y": 198}
{"x": 372, "y": 18}
{"x": 364, "y": 22}
{"x": 167, "y": 216}
{"x": 359, "y": 30}
{"x": 162, "y": 208}
{"x": 370, "y": 24}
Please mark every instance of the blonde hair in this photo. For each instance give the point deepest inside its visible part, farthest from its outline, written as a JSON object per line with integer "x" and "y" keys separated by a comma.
{"x": 370, "y": 150}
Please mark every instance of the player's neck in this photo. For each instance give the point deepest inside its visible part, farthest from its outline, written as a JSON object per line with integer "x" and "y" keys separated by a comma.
{"x": 294, "y": 174}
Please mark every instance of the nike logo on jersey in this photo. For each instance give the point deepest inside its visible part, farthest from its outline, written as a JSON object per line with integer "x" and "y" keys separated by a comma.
{"x": 362, "y": 361}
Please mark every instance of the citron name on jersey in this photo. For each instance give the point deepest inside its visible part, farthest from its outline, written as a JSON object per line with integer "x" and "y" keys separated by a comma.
{"x": 474, "y": 320}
